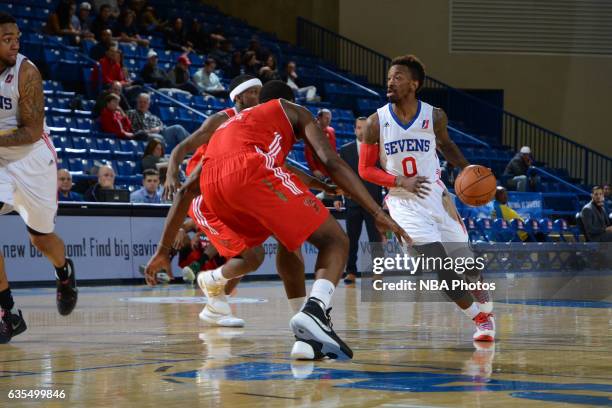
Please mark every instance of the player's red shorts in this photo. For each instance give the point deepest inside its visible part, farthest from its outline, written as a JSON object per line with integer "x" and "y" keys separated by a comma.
{"x": 227, "y": 242}
{"x": 255, "y": 199}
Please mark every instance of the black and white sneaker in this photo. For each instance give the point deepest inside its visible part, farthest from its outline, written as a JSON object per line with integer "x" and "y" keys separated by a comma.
{"x": 67, "y": 292}
{"x": 11, "y": 325}
{"x": 313, "y": 325}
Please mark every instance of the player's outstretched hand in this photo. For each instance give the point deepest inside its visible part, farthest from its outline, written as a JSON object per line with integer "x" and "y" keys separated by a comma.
{"x": 171, "y": 185}
{"x": 158, "y": 262}
{"x": 417, "y": 185}
{"x": 385, "y": 223}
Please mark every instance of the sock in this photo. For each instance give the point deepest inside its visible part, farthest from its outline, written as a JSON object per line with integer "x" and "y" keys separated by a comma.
{"x": 296, "y": 303}
{"x": 217, "y": 275}
{"x": 472, "y": 311}
{"x": 63, "y": 273}
{"x": 6, "y": 299}
{"x": 323, "y": 290}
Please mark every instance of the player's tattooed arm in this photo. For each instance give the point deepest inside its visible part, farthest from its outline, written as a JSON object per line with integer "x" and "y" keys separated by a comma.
{"x": 445, "y": 144}
{"x": 31, "y": 108}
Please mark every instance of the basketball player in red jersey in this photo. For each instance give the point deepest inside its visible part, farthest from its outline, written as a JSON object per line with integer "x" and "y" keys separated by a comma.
{"x": 28, "y": 173}
{"x": 244, "y": 91}
{"x": 405, "y": 135}
{"x": 245, "y": 184}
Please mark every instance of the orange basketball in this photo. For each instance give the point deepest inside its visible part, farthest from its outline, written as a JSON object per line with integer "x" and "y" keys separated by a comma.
{"x": 475, "y": 185}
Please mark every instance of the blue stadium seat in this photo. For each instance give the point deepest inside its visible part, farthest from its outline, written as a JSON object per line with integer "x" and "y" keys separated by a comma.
{"x": 74, "y": 153}
{"x": 485, "y": 227}
{"x": 560, "y": 227}
{"x": 532, "y": 227}
{"x": 517, "y": 225}
{"x": 74, "y": 132}
{"x": 79, "y": 142}
{"x": 545, "y": 225}
{"x": 97, "y": 154}
{"x": 502, "y": 231}
{"x": 126, "y": 168}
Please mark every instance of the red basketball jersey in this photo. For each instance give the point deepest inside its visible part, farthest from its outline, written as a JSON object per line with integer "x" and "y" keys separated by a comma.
{"x": 199, "y": 153}
{"x": 263, "y": 129}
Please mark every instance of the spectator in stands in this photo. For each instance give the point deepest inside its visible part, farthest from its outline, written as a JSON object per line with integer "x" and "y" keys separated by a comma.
{"x": 261, "y": 53}
{"x": 82, "y": 22}
{"x": 180, "y": 77}
{"x": 106, "y": 181}
{"x": 143, "y": 120}
{"x": 222, "y": 53}
{"x": 502, "y": 210}
{"x": 236, "y": 67}
{"x": 324, "y": 117}
{"x": 597, "y": 225}
{"x": 114, "y": 120}
{"x": 176, "y": 38}
{"x": 251, "y": 64}
{"x": 208, "y": 81}
{"x": 99, "y": 50}
{"x": 153, "y": 157}
{"x": 60, "y": 21}
{"x": 198, "y": 37}
{"x": 64, "y": 187}
{"x": 149, "y": 192}
{"x": 607, "y": 197}
{"x": 114, "y": 7}
{"x": 103, "y": 21}
{"x": 151, "y": 73}
{"x": 518, "y": 168}
{"x": 295, "y": 83}
{"x": 111, "y": 68}
{"x": 125, "y": 29}
{"x": 148, "y": 21}
{"x": 269, "y": 72}
{"x": 115, "y": 88}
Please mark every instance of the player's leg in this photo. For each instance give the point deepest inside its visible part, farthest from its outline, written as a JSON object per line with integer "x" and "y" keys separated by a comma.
{"x": 290, "y": 268}
{"x": 11, "y": 319}
{"x": 313, "y": 323}
{"x": 354, "y": 222}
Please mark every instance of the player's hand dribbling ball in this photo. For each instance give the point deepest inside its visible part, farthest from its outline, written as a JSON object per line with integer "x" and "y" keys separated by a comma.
{"x": 475, "y": 185}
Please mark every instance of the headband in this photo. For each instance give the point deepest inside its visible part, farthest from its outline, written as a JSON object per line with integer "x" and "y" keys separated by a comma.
{"x": 243, "y": 87}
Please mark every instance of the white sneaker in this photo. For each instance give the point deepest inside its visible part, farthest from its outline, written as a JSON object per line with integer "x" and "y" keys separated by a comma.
{"x": 304, "y": 351}
{"x": 302, "y": 369}
{"x": 217, "y": 319}
{"x": 215, "y": 292}
{"x": 189, "y": 275}
{"x": 485, "y": 327}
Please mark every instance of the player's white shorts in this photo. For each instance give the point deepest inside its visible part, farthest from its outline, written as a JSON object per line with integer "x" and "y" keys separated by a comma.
{"x": 29, "y": 186}
{"x": 429, "y": 220}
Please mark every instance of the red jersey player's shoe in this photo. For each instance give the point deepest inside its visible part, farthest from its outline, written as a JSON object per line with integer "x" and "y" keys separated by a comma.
{"x": 313, "y": 323}
{"x": 11, "y": 325}
{"x": 217, "y": 310}
{"x": 485, "y": 327}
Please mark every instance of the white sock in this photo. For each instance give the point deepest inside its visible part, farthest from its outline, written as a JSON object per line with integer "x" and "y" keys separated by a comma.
{"x": 217, "y": 275}
{"x": 472, "y": 311}
{"x": 323, "y": 290}
{"x": 296, "y": 303}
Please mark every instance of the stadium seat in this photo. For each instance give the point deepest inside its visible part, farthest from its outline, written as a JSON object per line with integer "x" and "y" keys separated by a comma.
{"x": 502, "y": 231}
{"x": 560, "y": 227}
{"x": 517, "y": 225}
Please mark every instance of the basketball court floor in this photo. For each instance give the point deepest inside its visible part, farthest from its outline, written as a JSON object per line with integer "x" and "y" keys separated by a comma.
{"x": 132, "y": 346}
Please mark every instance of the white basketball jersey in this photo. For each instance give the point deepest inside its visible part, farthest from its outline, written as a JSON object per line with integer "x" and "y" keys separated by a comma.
{"x": 9, "y": 112}
{"x": 409, "y": 149}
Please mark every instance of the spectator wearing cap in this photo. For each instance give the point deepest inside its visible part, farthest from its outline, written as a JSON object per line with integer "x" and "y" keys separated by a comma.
{"x": 293, "y": 80}
{"x": 82, "y": 22}
{"x": 151, "y": 72}
{"x": 324, "y": 117}
{"x": 208, "y": 81}
{"x": 143, "y": 120}
{"x": 517, "y": 170}
{"x": 149, "y": 192}
{"x": 180, "y": 77}
{"x": 64, "y": 187}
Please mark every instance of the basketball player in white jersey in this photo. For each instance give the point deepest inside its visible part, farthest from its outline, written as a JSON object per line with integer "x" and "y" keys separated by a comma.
{"x": 28, "y": 173}
{"x": 404, "y": 135}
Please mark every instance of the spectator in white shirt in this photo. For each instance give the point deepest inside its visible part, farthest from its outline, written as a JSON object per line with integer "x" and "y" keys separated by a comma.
{"x": 208, "y": 81}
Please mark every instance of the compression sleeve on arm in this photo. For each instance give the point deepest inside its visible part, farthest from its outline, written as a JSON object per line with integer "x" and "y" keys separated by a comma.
{"x": 368, "y": 156}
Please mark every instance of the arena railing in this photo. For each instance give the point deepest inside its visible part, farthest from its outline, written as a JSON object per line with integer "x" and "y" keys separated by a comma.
{"x": 473, "y": 114}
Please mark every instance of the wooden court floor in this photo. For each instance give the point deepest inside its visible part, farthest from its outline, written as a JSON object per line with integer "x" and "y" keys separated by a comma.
{"x": 140, "y": 347}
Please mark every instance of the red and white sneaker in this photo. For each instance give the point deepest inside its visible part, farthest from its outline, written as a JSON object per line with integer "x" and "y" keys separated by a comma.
{"x": 485, "y": 327}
